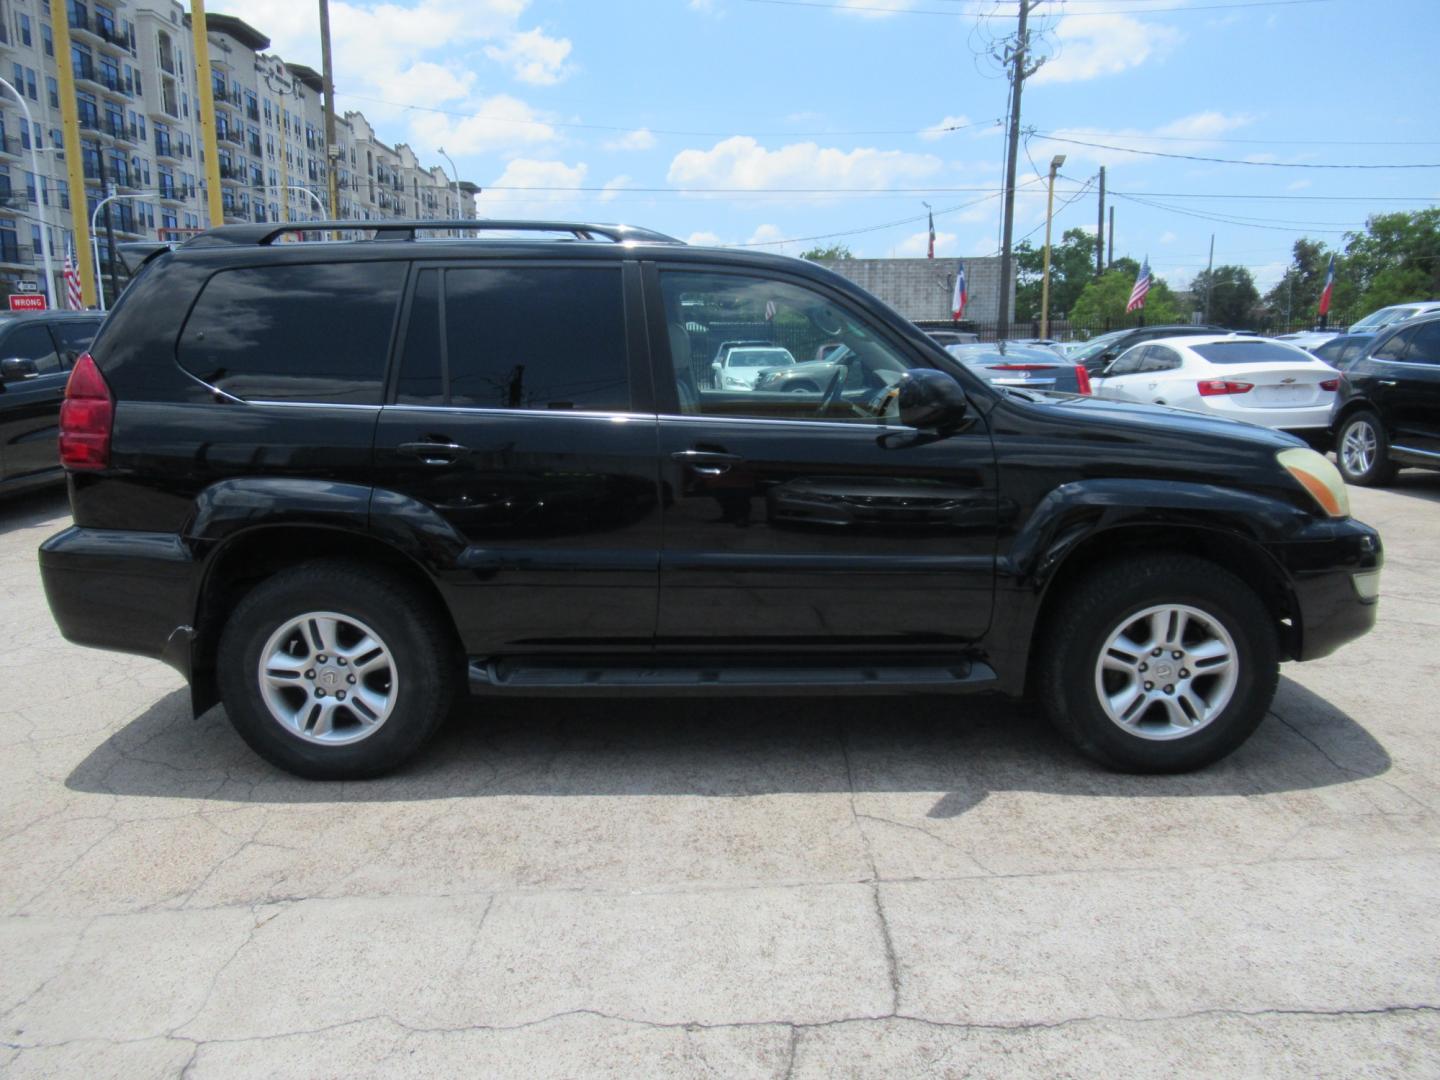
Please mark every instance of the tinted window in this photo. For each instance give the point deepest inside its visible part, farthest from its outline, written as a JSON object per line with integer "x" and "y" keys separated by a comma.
{"x": 74, "y": 337}
{"x": 1393, "y": 347}
{"x": 1424, "y": 344}
{"x": 536, "y": 337}
{"x": 1252, "y": 351}
{"x": 295, "y": 333}
{"x": 1159, "y": 358}
{"x": 1128, "y": 362}
{"x": 1331, "y": 351}
{"x": 32, "y": 342}
{"x": 421, "y": 377}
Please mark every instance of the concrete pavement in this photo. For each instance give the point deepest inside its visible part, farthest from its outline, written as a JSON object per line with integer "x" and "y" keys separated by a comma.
{"x": 921, "y": 886}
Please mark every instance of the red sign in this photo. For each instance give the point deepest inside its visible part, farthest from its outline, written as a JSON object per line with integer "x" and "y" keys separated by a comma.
{"x": 27, "y": 302}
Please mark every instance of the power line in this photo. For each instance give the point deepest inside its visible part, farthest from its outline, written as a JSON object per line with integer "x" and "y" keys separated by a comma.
{"x": 1223, "y": 161}
{"x": 1231, "y": 221}
{"x": 987, "y": 15}
{"x": 1257, "y": 142}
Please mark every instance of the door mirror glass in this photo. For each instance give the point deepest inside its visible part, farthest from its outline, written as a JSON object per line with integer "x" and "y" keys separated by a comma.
{"x": 16, "y": 368}
{"x": 930, "y": 401}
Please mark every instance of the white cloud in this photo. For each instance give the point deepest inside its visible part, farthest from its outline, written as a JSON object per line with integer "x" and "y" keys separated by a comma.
{"x": 613, "y": 187}
{"x": 1297, "y": 185}
{"x": 639, "y": 139}
{"x": 1191, "y": 134}
{"x": 766, "y": 234}
{"x": 533, "y": 57}
{"x": 499, "y": 123}
{"x": 513, "y": 193}
{"x": 942, "y": 129}
{"x": 1090, "y": 46}
{"x": 1167, "y": 237}
{"x": 918, "y": 244}
{"x": 703, "y": 239}
{"x": 741, "y": 162}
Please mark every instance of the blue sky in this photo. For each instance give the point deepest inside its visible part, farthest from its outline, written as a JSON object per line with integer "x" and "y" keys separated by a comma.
{"x": 701, "y": 117}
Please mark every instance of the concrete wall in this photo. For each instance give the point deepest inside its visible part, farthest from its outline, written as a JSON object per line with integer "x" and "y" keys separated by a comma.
{"x": 922, "y": 288}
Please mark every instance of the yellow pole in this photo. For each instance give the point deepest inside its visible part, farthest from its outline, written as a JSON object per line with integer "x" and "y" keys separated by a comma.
{"x": 74, "y": 157}
{"x": 207, "y": 110}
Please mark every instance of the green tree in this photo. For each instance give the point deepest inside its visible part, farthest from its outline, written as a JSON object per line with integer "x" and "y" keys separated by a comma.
{"x": 1102, "y": 302}
{"x": 1234, "y": 300}
{"x": 1296, "y": 295}
{"x": 1396, "y": 258}
{"x": 834, "y": 251}
{"x": 1072, "y": 267}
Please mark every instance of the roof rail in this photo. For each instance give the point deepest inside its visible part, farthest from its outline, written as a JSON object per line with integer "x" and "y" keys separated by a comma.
{"x": 262, "y": 235}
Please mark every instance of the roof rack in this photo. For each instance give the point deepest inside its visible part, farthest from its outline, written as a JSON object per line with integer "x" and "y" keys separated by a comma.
{"x": 262, "y": 235}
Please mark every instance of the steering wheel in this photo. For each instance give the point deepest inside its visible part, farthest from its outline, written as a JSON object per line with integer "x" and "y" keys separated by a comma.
{"x": 832, "y": 391}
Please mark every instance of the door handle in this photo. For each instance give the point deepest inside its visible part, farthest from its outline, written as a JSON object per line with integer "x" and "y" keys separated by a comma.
{"x": 1386, "y": 382}
{"x": 432, "y": 453}
{"x": 707, "y": 462}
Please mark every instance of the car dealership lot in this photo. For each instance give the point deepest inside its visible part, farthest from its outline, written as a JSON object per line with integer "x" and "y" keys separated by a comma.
{"x": 718, "y": 887}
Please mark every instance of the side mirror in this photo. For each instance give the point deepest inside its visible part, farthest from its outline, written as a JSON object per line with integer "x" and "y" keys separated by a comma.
{"x": 17, "y": 368}
{"x": 931, "y": 401}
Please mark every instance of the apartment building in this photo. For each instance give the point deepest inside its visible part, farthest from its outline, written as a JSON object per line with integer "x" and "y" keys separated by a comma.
{"x": 138, "y": 106}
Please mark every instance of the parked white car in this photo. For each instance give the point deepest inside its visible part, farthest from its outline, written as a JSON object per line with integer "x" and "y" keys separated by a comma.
{"x": 741, "y": 367}
{"x": 1389, "y": 316}
{"x": 1258, "y": 380}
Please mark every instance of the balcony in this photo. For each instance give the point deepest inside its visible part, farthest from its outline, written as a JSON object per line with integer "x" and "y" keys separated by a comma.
{"x": 12, "y": 254}
{"x": 164, "y": 147}
{"x": 84, "y": 71}
{"x": 253, "y": 145}
{"x": 230, "y": 135}
{"x": 10, "y": 146}
{"x": 167, "y": 63}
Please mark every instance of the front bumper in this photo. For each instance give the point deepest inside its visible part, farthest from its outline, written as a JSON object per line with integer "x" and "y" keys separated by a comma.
{"x": 125, "y": 591}
{"x": 1333, "y": 570}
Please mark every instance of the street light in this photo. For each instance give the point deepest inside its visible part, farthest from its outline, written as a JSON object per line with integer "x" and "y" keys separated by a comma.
{"x": 95, "y": 239}
{"x": 39, "y": 194}
{"x": 1055, "y": 163}
{"x": 454, "y": 172}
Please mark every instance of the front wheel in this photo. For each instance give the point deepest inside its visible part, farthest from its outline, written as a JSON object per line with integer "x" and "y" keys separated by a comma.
{"x": 1160, "y": 665}
{"x": 1363, "y": 451}
{"x": 335, "y": 671}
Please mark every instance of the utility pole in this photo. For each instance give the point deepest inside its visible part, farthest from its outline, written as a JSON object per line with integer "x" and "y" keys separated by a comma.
{"x": 1209, "y": 277}
{"x": 206, "y": 92}
{"x": 1020, "y": 70}
{"x": 1055, "y": 163}
{"x": 332, "y": 151}
{"x": 74, "y": 151}
{"x": 1100, "y": 229}
{"x": 1110, "y": 247}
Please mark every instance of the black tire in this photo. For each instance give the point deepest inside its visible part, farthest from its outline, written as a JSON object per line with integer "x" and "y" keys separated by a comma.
{"x": 425, "y": 666}
{"x": 1381, "y": 469}
{"x": 1083, "y": 624}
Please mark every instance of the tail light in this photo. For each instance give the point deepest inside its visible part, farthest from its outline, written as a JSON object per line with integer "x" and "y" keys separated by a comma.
{"x": 1082, "y": 379}
{"x": 1217, "y": 387}
{"x": 1330, "y": 384}
{"x": 86, "y": 415}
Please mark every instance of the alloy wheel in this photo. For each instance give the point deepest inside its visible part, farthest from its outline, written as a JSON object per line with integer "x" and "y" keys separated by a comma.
{"x": 328, "y": 678}
{"x": 1358, "y": 447}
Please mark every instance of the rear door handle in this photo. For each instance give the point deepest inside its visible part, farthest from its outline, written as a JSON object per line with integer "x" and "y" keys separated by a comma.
{"x": 707, "y": 462}
{"x": 432, "y": 453}
{"x": 1386, "y": 382}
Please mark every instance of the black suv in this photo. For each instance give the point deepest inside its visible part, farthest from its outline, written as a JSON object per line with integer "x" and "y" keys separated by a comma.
{"x": 1387, "y": 413}
{"x": 1097, "y": 353}
{"x": 336, "y": 483}
{"x": 37, "y": 351}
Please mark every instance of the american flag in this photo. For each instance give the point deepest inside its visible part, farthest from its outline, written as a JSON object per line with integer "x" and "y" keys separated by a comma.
{"x": 962, "y": 294}
{"x": 769, "y": 310}
{"x": 1142, "y": 286}
{"x": 1329, "y": 288}
{"x": 74, "y": 299}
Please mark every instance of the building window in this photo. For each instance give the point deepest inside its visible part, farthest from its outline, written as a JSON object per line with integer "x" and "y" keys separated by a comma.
{"x": 25, "y": 29}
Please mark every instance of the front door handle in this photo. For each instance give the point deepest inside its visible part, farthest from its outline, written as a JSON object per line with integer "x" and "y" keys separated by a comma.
{"x": 432, "y": 453}
{"x": 707, "y": 462}
{"x": 1386, "y": 382}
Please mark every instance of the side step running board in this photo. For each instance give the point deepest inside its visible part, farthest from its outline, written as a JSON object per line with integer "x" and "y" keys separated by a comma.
{"x": 542, "y": 675}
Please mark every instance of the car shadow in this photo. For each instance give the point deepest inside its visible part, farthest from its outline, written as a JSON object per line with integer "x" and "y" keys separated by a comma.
{"x": 960, "y": 749}
{"x": 1420, "y": 483}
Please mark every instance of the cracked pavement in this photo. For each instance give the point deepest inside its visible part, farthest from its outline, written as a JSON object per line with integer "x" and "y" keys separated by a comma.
{"x": 919, "y": 886}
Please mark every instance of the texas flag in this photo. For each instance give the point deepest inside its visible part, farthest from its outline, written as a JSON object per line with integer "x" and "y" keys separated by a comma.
{"x": 1328, "y": 289}
{"x": 962, "y": 296}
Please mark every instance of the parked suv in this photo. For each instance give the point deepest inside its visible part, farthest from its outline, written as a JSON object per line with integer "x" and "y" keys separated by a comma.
{"x": 1387, "y": 413}
{"x": 1098, "y": 352}
{"x": 37, "y": 351}
{"x": 336, "y": 483}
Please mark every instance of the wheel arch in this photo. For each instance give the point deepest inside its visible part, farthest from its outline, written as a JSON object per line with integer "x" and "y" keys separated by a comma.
{"x": 245, "y": 558}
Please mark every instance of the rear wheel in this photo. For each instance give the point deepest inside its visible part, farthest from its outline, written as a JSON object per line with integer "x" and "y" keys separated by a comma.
{"x": 1363, "y": 451}
{"x": 335, "y": 671}
{"x": 1162, "y": 665}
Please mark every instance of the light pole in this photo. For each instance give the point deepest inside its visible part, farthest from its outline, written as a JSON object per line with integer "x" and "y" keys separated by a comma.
{"x": 95, "y": 239}
{"x": 307, "y": 191}
{"x": 1055, "y": 163}
{"x": 455, "y": 173}
{"x": 39, "y": 194}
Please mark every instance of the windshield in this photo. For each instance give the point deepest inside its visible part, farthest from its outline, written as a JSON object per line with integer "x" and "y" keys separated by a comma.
{"x": 1384, "y": 317}
{"x": 747, "y": 358}
{"x": 1253, "y": 352}
{"x": 1094, "y": 347}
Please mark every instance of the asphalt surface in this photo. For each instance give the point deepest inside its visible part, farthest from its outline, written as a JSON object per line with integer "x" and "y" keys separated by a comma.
{"x": 907, "y": 887}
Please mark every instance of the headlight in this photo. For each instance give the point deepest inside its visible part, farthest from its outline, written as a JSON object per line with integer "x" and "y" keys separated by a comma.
{"x": 1317, "y": 476}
